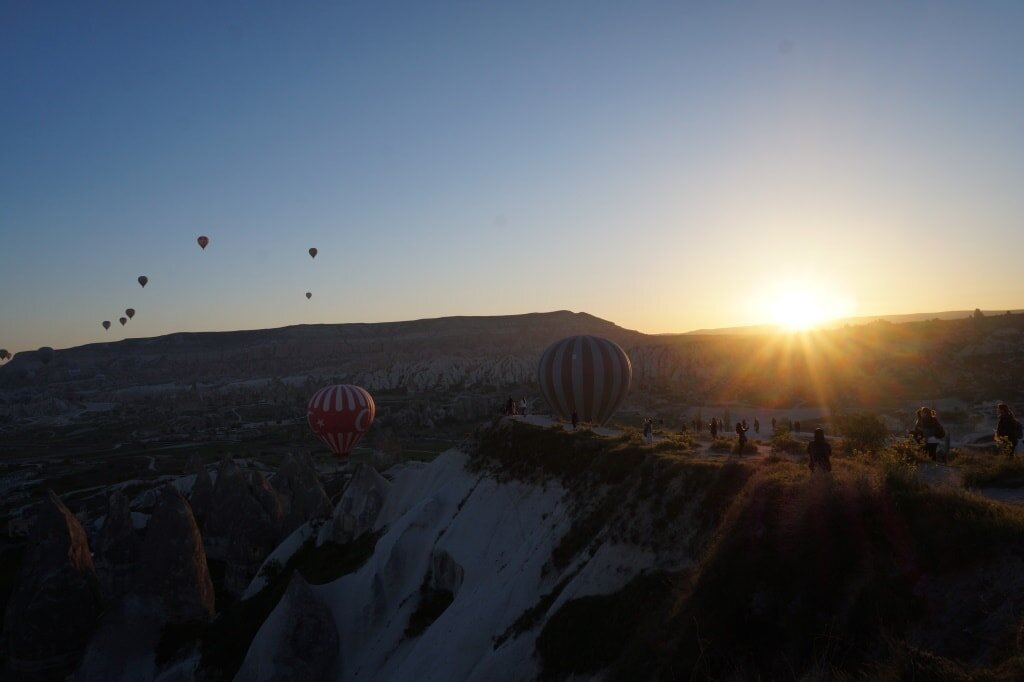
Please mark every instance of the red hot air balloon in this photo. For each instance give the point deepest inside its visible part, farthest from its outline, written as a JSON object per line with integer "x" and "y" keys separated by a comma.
{"x": 339, "y": 415}
{"x": 106, "y": 324}
{"x": 123, "y": 320}
{"x": 313, "y": 252}
{"x": 203, "y": 241}
{"x": 584, "y": 374}
{"x": 130, "y": 312}
{"x": 143, "y": 280}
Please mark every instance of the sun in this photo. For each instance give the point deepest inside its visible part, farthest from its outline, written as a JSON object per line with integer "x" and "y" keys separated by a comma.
{"x": 804, "y": 306}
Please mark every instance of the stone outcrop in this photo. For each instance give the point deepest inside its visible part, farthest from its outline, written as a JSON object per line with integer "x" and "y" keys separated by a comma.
{"x": 243, "y": 525}
{"x": 53, "y": 610}
{"x": 301, "y": 494}
{"x": 201, "y": 497}
{"x": 359, "y": 507}
{"x": 173, "y": 568}
{"x": 446, "y": 574}
{"x": 117, "y": 549}
{"x": 307, "y": 645}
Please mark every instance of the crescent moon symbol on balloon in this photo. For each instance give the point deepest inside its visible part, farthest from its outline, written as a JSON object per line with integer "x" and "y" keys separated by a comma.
{"x": 361, "y": 420}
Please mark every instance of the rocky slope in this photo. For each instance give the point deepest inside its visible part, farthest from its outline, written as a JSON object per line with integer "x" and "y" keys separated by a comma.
{"x": 553, "y": 556}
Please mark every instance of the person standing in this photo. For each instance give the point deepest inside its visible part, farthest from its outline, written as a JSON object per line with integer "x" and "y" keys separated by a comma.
{"x": 714, "y": 428}
{"x": 931, "y": 431}
{"x": 522, "y": 407}
{"x": 819, "y": 452}
{"x": 575, "y": 420}
{"x": 757, "y": 425}
{"x": 773, "y": 424}
{"x": 648, "y": 431}
{"x": 741, "y": 433}
{"x": 1008, "y": 426}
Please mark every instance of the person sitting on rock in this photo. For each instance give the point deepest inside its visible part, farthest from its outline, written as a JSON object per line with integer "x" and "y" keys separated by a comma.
{"x": 819, "y": 452}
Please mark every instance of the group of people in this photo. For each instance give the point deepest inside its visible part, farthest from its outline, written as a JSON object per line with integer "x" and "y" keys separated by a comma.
{"x": 720, "y": 425}
{"x": 513, "y": 408}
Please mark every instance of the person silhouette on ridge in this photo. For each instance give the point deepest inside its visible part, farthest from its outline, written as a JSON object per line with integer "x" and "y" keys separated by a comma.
{"x": 819, "y": 452}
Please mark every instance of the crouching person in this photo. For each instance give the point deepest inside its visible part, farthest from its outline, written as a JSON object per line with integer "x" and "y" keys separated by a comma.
{"x": 819, "y": 452}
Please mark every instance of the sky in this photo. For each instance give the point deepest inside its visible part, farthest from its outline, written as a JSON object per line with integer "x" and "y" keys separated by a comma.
{"x": 667, "y": 166}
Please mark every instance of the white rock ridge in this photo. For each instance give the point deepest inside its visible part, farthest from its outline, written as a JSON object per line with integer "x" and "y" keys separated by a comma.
{"x": 487, "y": 543}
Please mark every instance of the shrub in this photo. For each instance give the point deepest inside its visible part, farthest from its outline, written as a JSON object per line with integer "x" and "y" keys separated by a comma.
{"x": 1004, "y": 446}
{"x": 722, "y": 445}
{"x": 897, "y": 470}
{"x": 784, "y": 441}
{"x": 978, "y": 470}
{"x": 909, "y": 449}
{"x": 865, "y": 432}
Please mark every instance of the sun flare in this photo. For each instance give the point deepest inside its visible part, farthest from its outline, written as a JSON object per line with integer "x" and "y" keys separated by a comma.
{"x": 805, "y": 306}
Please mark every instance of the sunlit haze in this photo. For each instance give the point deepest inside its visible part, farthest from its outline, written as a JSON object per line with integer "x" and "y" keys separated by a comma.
{"x": 666, "y": 166}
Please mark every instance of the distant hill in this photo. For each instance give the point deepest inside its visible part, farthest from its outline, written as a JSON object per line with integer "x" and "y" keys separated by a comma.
{"x": 866, "y": 319}
{"x": 867, "y": 363}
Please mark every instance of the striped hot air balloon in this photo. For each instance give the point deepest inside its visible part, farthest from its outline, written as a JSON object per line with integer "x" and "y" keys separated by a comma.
{"x": 340, "y": 415}
{"x": 588, "y": 375}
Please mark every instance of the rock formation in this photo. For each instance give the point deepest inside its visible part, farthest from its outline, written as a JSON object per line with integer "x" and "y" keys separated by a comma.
{"x": 243, "y": 525}
{"x": 300, "y": 492}
{"x": 308, "y": 643}
{"x": 173, "y": 566}
{"x": 358, "y": 508}
{"x": 54, "y": 608}
{"x": 202, "y": 490}
{"x": 117, "y": 549}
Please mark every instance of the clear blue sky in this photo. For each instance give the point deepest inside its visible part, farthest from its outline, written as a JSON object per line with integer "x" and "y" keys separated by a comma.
{"x": 667, "y": 166}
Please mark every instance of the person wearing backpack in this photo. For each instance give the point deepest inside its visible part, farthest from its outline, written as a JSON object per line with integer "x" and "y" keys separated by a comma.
{"x": 931, "y": 431}
{"x": 1008, "y": 426}
{"x": 819, "y": 452}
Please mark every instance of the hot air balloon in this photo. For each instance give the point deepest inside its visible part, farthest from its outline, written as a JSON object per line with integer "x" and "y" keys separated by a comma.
{"x": 106, "y": 324}
{"x": 143, "y": 280}
{"x": 309, "y": 294}
{"x": 312, "y": 253}
{"x": 130, "y": 312}
{"x": 339, "y": 415}
{"x": 45, "y": 354}
{"x": 203, "y": 241}
{"x": 4, "y": 355}
{"x": 123, "y": 320}
{"x": 587, "y": 375}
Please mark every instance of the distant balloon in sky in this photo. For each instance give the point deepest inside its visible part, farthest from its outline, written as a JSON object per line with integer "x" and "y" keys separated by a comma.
{"x": 203, "y": 241}
{"x": 340, "y": 415}
{"x": 588, "y": 375}
{"x": 45, "y": 355}
{"x": 130, "y": 312}
{"x": 123, "y": 320}
{"x": 309, "y": 294}
{"x": 143, "y": 280}
{"x": 312, "y": 253}
{"x": 106, "y": 324}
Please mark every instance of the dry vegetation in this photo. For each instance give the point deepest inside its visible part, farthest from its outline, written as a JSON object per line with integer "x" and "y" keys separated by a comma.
{"x": 864, "y": 574}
